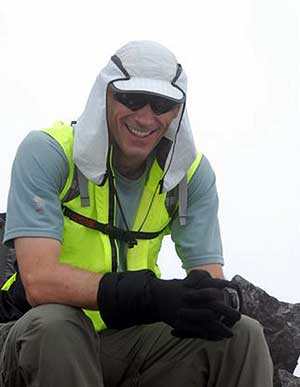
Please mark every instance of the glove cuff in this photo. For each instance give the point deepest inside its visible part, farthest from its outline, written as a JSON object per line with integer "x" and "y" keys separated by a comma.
{"x": 125, "y": 299}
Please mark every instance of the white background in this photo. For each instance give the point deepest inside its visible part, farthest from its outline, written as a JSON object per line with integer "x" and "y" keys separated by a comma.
{"x": 242, "y": 58}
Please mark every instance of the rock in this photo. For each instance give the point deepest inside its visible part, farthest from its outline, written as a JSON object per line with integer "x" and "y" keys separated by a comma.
{"x": 281, "y": 322}
{"x": 288, "y": 380}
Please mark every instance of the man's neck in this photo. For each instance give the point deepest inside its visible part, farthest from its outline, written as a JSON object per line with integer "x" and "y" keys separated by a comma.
{"x": 130, "y": 170}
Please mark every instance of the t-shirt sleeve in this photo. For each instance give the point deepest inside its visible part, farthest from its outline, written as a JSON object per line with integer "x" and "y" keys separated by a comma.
{"x": 39, "y": 173}
{"x": 199, "y": 241}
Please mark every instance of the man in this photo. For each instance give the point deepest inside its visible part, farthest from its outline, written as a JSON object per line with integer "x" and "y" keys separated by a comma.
{"x": 88, "y": 207}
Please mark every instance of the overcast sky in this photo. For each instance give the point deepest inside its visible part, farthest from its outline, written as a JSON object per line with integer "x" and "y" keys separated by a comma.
{"x": 242, "y": 59}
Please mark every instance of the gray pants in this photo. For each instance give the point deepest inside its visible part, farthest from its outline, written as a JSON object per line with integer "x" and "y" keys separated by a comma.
{"x": 56, "y": 346}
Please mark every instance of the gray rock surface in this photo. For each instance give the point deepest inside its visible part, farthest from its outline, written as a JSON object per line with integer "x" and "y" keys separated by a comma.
{"x": 281, "y": 322}
{"x": 288, "y": 380}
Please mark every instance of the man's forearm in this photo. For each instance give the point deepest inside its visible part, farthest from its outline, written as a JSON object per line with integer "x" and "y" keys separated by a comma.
{"x": 46, "y": 280}
{"x": 64, "y": 284}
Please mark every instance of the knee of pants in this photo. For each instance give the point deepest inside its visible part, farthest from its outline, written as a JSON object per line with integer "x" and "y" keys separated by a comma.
{"x": 248, "y": 330}
{"x": 47, "y": 335}
{"x": 51, "y": 321}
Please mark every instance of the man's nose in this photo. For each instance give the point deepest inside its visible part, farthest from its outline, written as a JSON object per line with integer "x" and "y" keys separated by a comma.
{"x": 145, "y": 116}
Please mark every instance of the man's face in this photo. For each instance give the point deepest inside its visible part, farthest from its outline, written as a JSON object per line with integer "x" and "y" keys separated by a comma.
{"x": 136, "y": 133}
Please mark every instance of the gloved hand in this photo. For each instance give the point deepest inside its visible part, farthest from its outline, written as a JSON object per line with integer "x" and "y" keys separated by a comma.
{"x": 196, "y": 306}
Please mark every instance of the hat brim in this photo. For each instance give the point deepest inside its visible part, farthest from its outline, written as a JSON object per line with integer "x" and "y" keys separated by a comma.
{"x": 151, "y": 86}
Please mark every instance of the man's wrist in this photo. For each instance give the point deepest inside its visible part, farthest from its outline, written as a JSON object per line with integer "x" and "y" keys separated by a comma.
{"x": 125, "y": 299}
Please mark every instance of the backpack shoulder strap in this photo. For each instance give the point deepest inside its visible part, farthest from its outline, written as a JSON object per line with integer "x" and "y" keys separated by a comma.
{"x": 182, "y": 201}
{"x": 79, "y": 186}
{"x": 177, "y": 198}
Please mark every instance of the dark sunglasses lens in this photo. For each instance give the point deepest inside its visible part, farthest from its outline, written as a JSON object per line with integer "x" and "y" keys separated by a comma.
{"x": 132, "y": 101}
{"x": 136, "y": 101}
{"x": 162, "y": 105}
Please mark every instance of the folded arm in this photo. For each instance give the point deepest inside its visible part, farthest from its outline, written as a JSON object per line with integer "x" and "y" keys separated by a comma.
{"x": 47, "y": 281}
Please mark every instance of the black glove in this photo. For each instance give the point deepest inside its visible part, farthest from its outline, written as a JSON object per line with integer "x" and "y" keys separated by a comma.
{"x": 13, "y": 302}
{"x": 195, "y": 307}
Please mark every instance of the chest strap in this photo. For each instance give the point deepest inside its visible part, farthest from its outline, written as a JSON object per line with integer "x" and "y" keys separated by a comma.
{"x": 130, "y": 237}
{"x": 181, "y": 195}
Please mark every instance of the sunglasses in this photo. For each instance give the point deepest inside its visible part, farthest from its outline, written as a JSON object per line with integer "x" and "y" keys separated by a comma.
{"x": 135, "y": 101}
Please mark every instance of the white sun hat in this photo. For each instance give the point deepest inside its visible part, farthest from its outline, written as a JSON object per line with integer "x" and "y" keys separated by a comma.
{"x": 141, "y": 66}
{"x": 149, "y": 67}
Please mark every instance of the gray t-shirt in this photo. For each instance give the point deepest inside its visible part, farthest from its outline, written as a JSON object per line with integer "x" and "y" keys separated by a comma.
{"x": 39, "y": 174}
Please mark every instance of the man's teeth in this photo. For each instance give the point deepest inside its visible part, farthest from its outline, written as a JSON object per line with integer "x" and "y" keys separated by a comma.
{"x": 139, "y": 133}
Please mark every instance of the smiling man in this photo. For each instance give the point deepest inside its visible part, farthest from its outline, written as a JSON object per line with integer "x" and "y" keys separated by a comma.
{"x": 88, "y": 208}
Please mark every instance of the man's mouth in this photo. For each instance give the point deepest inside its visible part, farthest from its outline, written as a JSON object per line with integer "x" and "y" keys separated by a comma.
{"x": 139, "y": 133}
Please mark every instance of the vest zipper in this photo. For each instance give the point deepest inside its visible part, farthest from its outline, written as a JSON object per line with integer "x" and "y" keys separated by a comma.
{"x": 111, "y": 220}
{"x": 114, "y": 255}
